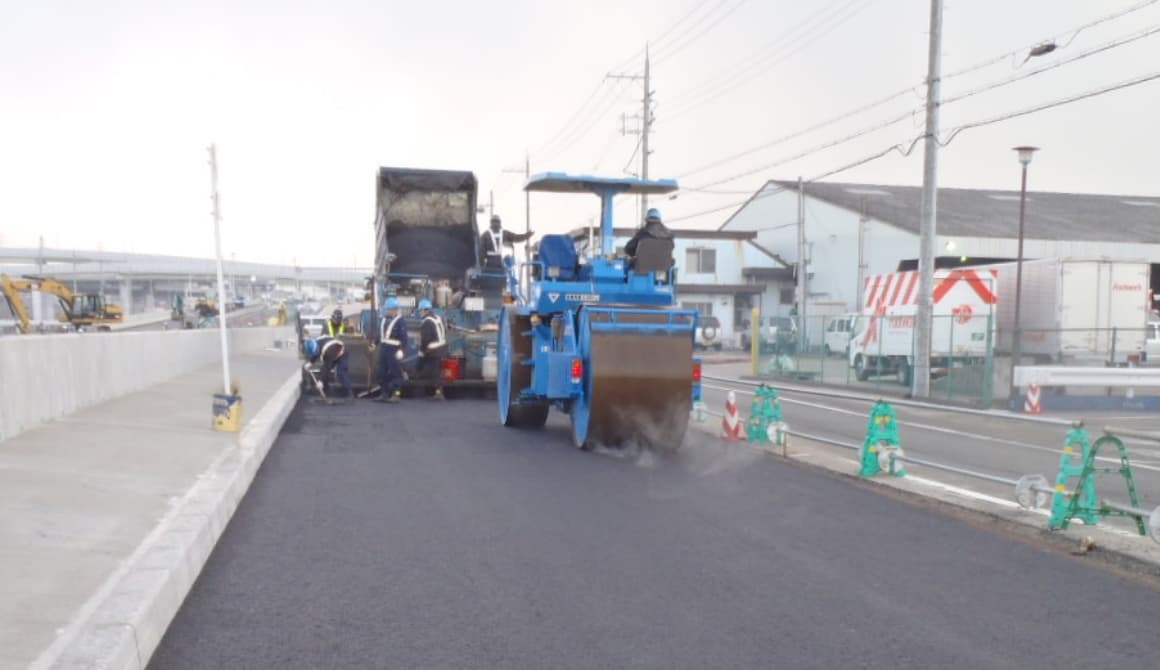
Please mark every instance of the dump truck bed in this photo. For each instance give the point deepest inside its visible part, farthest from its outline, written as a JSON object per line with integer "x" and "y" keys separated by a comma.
{"x": 425, "y": 219}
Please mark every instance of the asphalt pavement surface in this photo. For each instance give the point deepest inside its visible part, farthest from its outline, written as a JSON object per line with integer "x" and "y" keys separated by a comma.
{"x": 426, "y": 535}
{"x": 991, "y": 444}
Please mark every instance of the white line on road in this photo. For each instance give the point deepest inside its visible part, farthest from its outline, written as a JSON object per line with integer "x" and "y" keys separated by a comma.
{"x": 938, "y": 429}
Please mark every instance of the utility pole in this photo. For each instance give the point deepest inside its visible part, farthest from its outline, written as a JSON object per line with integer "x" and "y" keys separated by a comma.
{"x": 221, "y": 282}
{"x": 926, "y": 252}
{"x": 646, "y": 121}
{"x": 860, "y": 289}
{"x": 803, "y": 272}
{"x": 527, "y": 172}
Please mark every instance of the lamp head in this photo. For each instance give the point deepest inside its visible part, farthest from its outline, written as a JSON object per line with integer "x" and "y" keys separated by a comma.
{"x": 1025, "y": 154}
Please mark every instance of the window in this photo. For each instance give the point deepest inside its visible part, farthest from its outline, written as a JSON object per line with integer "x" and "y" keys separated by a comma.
{"x": 705, "y": 308}
{"x": 786, "y": 296}
{"x": 701, "y": 261}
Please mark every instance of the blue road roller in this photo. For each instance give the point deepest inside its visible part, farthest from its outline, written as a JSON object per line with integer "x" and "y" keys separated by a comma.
{"x": 599, "y": 335}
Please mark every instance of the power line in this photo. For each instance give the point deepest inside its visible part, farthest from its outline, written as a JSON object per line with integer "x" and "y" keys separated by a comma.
{"x": 1051, "y": 40}
{"x": 659, "y": 40}
{"x": 795, "y": 40}
{"x": 812, "y": 150}
{"x": 599, "y": 111}
{"x": 904, "y": 150}
{"x": 684, "y": 45}
{"x": 623, "y": 64}
{"x": 1143, "y": 79}
{"x": 1031, "y": 73}
{"x": 889, "y": 122}
{"x": 955, "y": 132}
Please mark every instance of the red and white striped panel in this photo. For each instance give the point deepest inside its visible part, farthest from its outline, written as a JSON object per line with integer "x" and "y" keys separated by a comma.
{"x": 900, "y": 288}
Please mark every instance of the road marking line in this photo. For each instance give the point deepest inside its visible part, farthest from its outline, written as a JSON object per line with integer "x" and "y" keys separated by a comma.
{"x": 940, "y": 429}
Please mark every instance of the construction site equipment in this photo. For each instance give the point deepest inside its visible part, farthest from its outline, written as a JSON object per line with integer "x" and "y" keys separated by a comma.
{"x": 600, "y": 337}
{"x": 78, "y": 310}
{"x": 426, "y": 247}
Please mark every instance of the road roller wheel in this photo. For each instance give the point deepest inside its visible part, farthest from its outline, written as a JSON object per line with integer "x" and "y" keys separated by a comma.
{"x": 637, "y": 389}
{"x": 514, "y": 348}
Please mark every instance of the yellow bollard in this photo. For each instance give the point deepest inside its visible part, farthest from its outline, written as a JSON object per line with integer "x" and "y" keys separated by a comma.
{"x": 227, "y": 411}
{"x": 754, "y": 339}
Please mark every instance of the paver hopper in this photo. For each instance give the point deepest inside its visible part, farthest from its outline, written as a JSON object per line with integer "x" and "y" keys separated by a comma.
{"x": 600, "y": 338}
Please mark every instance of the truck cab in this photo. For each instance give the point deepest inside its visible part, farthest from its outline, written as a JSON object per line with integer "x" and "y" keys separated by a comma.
{"x": 839, "y": 330}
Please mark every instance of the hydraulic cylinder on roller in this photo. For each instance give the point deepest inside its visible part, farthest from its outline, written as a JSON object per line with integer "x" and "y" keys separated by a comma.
{"x": 597, "y": 335}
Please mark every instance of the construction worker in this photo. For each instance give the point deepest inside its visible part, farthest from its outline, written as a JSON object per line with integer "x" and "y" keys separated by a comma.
{"x": 335, "y": 326}
{"x": 332, "y": 353}
{"x": 653, "y": 228}
{"x": 392, "y": 344}
{"x": 432, "y": 346}
{"x": 493, "y": 240}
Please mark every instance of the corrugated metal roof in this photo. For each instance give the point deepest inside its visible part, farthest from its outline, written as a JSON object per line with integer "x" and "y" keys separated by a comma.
{"x": 992, "y": 213}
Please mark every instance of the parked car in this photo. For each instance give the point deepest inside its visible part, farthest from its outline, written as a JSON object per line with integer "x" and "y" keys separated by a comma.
{"x": 708, "y": 334}
{"x": 839, "y": 330}
{"x": 312, "y": 325}
{"x": 778, "y": 335}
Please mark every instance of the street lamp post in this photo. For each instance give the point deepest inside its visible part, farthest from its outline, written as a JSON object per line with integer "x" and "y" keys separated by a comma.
{"x": 1025, "y": 154}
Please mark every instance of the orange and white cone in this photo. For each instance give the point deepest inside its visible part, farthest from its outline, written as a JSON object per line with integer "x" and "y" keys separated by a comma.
{"x": 1031, "y": 403}
{"x": 731, "y": 422}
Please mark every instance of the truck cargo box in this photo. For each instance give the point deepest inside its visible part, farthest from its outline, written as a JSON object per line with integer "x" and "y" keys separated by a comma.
{"x": 1072, "y": 306}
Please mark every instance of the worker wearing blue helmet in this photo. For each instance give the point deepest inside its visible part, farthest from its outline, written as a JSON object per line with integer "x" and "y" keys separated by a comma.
{"x": 392, "y": 344}
{"x": 653, "y": 228}
{"x": 332, "y": 353}
{"x": 432, "y": 345}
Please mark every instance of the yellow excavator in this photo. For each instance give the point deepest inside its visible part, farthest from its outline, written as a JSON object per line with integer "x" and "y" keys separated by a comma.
{"x": 80, "y": 311}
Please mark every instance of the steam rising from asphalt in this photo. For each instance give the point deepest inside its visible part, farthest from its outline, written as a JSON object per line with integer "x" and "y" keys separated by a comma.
{"x": 698, "y": 453}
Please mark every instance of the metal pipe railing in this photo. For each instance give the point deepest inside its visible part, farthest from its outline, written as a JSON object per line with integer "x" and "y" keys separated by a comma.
{"x": 903, "y": 402}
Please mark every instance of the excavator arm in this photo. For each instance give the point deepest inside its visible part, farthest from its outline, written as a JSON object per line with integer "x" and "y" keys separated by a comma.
{"x": 78, "y": 310}
{"x": 12, "y": 290}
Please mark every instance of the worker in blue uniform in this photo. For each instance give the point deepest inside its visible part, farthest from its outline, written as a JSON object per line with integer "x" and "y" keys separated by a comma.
{"x": 432, "y": 346}
{"x": 392, "y": 344}
{"x": 332, "y": 353}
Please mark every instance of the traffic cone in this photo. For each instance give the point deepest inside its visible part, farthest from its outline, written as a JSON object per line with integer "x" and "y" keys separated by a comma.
{"x": 731, "y": 422}
{"x": 1031, "y": 403}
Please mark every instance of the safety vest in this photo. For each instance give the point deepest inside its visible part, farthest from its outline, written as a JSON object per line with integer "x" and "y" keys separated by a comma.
{"x": 441, "y": 334}
{"x": 496, "y": 242}
{"x": 330, "y": 344}
{"x": 386, "y": 331}
{"x": 330, "y": 328}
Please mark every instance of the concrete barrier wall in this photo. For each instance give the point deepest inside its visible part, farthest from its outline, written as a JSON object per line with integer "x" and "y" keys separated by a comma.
{"x": 46, "y": 377}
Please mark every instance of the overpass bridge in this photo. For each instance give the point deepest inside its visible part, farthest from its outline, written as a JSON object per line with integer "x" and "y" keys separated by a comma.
{"x": 142, "y": 282}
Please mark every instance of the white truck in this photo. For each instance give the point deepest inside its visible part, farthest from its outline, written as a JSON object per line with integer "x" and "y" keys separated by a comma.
{"x": 1075, "y": 310}
{"x": 883, "y": 340}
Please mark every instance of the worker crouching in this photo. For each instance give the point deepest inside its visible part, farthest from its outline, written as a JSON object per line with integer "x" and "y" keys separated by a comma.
{"x": 393, "y": 342}
{"x": 332, "y": 353}
{"x": 432, "y": 346}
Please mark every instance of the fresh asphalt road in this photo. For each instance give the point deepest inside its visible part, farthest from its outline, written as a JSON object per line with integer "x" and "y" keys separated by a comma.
{"x": 986, "y": 444}
{"x": 425, "y": 535}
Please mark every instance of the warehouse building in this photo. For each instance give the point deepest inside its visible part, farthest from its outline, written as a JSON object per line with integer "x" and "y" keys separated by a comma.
{"x": 852, "y": 231}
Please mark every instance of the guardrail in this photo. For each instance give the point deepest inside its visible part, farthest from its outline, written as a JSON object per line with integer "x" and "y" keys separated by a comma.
{"x": 901, "y": 402}
{"x": 882, "y": 452}
{"x": 1026, "y": 375}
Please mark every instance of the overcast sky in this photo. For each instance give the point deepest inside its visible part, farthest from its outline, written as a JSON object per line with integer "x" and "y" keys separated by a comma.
{"x": 109, "y": 107}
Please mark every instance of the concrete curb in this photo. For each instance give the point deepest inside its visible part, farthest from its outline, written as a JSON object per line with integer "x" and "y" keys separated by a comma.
{"x": 125, "y": 620}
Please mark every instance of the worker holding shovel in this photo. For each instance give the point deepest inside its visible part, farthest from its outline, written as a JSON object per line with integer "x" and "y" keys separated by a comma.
{"x": 393, "y": 342}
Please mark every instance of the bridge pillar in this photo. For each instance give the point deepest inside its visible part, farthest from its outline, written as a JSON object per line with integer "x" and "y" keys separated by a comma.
{"x": 127, "y": 295}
